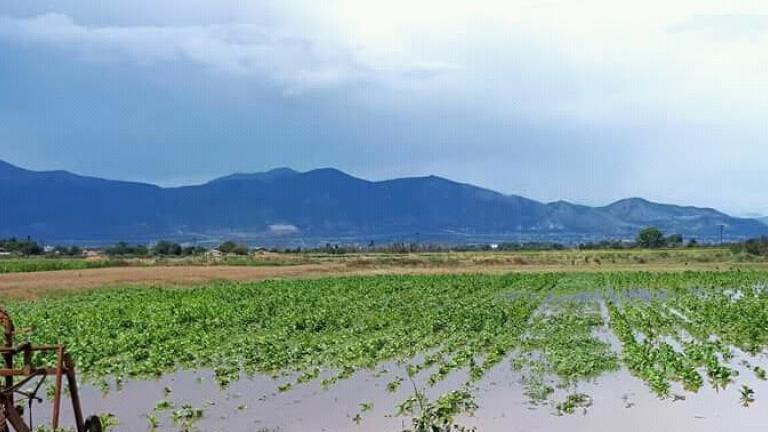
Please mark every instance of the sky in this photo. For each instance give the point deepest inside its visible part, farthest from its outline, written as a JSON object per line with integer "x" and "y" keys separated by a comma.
{"x": 583, "y": 100}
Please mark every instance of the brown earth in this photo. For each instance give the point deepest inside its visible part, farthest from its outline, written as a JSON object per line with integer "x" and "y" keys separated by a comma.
{"x": 30, "y": 285}
{"x": 33, "y": 285}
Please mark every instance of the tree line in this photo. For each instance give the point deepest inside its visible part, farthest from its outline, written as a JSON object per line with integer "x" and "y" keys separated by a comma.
{"x": 648, "y": 238}
{"x": 168, "y": 248}
{"x": 29, "y": 247}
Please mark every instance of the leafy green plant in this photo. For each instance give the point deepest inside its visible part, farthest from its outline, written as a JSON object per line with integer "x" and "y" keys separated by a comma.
{"x": 747, "y": 396}
{"x": 674, "y": 328}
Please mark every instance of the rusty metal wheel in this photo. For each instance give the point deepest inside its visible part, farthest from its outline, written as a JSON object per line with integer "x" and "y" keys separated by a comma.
{"x": 92, "y": 424}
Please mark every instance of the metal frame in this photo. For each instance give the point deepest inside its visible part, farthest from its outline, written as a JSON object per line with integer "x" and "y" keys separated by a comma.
{"x": 10, "y": 386}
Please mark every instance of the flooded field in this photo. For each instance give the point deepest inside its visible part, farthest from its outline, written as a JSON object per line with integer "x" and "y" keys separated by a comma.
{"x": 540, "y": 352}
{"x": 619, "y": 401}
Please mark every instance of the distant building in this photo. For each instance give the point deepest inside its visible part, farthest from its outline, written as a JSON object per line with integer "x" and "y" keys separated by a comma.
{"x": 92, "y": 253}
{"x": 4, "y": 252}
{"x": 494, "y": 246}
{"x": 214, "y": 253}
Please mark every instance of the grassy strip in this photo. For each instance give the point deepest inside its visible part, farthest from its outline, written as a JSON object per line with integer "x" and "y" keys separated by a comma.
{"x": 51, "y": 264}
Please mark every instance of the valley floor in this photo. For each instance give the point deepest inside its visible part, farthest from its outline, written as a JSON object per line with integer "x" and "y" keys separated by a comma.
{"x": 33, "y": 278}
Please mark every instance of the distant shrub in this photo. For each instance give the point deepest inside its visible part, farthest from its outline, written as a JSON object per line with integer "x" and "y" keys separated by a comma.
{"x": 757, "y": 247}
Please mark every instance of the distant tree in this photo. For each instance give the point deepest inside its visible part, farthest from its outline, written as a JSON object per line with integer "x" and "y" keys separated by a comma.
{"x": 757, "y": 246}
{"x": 193, "y": 250}
{"x": 119, "y": 249}
{"x": 21, "y": 247}
{"x": 227, "y": 247}
{"x": 675, "y": 240}
{"x": 693, "y": 243}
{"x": 67, "y": 251}
{"x": 230, "y": 247}
{"x": 651, "y": 238}
{"x": 124, "y": 249}
{"x": 166, "y": 248}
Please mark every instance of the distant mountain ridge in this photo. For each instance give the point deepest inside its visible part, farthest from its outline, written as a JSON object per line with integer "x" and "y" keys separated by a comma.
{"x": 284, "y": 206}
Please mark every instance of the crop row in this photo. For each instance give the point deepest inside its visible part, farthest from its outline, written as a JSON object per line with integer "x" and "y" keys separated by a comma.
{"x": 674, "y": 328}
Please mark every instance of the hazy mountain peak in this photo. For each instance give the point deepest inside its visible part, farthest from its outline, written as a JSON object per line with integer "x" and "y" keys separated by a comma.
{"x": 10, "y": 171}
{"x": 642, "y": 204}
{"x": 273, "y": 174}
{"x": 6, "y": 167}
{"x": 282, "y": 171}
{"x": 331, "y": 174}
{"x": 328, "y": 171}
{"x": 562, "y": 203}
{"x": 632, "y": 201}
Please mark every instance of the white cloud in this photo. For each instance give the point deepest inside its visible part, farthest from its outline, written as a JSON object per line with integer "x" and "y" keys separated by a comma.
{"x": 294, "y": 61}
{"x": 589, "y": 61}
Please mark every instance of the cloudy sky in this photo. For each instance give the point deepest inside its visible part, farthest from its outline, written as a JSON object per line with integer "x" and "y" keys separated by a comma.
{"x": 584, "y": 100}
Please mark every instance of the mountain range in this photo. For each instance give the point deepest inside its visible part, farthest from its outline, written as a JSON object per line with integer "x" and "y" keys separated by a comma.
{"x": 283, "y": 206}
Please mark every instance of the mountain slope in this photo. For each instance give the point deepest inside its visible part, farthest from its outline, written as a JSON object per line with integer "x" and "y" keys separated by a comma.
{"x": 58, "y": 204}
{"x": 694, "y": 221}
{"x": 322, "y": 204}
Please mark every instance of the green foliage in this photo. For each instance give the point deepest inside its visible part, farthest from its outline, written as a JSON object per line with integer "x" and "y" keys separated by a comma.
{"x": 187, "y": 415}
{"x": 27, "y": 265}
{"x": 651, "y": 238}
{"x": 747, "y": 396}
{"x": 438, "y": 415}
{"x": 674, "y": 240}
{"x": 125, "y": 249}
{"x": 166, "y": 248}
{"x": 572, "y": 402}
{"x": 564, "y": 336}
{"x": 276, "y": 326}
{"x": 71, "y": 251}
{"x": 230, "y": 247}
{"x": 21, "y": 247}
{"x": 682, "y": 329}
{"x": 757, "y": 247}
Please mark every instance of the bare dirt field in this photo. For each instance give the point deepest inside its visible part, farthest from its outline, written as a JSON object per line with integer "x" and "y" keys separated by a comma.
{"x": 32, "y": 285}
{"x": 29, "y": 285}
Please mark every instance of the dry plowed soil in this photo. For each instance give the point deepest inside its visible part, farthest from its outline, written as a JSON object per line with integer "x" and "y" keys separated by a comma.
{"x": 30, "y": 285}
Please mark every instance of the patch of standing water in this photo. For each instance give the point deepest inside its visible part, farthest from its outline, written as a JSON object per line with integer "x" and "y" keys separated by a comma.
{"x": 578, "y": 297}
{"x": 619, "y": 402}
{"x": 363, "y": 402}
{"x": 604, "y": 333}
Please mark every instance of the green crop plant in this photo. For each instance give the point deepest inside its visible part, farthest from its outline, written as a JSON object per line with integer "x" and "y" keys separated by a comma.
{"x": 676, "y": 329}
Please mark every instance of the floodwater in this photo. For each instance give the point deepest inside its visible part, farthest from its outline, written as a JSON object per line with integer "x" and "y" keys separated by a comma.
{"x": 361, "y": 403}
{"x": 619, "y": 402}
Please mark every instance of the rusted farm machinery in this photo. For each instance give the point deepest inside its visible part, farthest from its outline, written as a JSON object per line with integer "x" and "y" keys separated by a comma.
{"x": 21, "y": 382}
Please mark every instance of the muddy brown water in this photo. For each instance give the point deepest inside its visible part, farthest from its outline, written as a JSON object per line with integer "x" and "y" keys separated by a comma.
{"x": 619, "y": 402}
